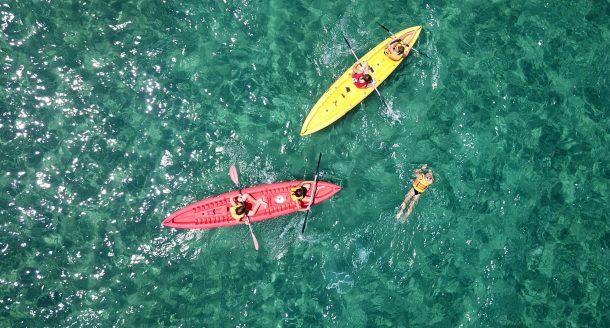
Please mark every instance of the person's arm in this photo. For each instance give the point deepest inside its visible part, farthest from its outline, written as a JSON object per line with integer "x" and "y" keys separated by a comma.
{"x": 306, "y": 199}
{"x": 255, "y": 208}
{"x": 232, "y": 201}
{"x": 308, "y": 186}
{"x": 247, "y": 196}
{"x": 392, "y": 43}
{"x": 361, "y": 67}
{"x": 365, "y": 67}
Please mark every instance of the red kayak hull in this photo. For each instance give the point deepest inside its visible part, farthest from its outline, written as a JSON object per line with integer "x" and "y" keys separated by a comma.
{"x": 213, "y": 212}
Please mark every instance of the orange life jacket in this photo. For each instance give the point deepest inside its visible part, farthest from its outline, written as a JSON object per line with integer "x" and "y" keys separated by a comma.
{"x": 421, "y": 184}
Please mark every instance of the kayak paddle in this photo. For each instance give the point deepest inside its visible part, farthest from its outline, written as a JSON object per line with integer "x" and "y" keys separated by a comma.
{"x": 235, "y": 178}
{"x": 374, "y": 86}
{"x": 313, "y": 193}
{"x": 387, "y": 30}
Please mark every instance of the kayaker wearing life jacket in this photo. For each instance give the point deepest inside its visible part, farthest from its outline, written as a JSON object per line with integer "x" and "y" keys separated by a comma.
{"x": 360, "y": 75}
{"x": 238, "y": 211}
{"x": 238, "y": 208}
{"x": 298, "y": 195}
{"x": 421, "y": 183}
{"x": 397, "y": 48}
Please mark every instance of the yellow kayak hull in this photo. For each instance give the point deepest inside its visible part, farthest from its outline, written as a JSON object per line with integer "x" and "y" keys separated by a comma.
{"x": 343, "y": 95}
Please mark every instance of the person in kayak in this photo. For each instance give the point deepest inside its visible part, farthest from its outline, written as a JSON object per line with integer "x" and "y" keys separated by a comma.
{"x": 421, "y": 183}
{"x": 396, "y": 50}
{"x": 360, "y": 75}
{"x": 298, "y": 195}
{"x": 238, "y": 206}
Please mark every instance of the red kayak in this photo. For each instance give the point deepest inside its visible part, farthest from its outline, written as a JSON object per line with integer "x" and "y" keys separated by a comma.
{"x": 213, "y": 212}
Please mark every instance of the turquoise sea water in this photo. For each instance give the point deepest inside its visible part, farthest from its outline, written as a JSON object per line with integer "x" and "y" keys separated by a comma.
{"x": 113, "y": 114}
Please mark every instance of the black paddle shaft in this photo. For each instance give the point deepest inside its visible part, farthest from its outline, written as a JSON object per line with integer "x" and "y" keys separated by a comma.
{"x": 313, "y": 193}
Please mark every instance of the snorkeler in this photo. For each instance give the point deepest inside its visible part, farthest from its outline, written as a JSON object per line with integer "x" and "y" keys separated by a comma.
{"x": 421, "y": 183}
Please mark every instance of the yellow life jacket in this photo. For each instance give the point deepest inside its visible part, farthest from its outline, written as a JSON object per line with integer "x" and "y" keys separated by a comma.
{"x": 421, "y": 184}
{"x": 233, "y": 211}
{"x": 293, "y": 195}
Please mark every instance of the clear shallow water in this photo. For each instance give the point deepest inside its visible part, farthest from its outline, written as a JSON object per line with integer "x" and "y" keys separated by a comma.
{"x": 114, "y": 115}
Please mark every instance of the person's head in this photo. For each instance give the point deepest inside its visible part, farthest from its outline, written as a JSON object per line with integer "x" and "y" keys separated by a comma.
{"x": 429, "y": 175}
{"x": 367, "y": 78}
{"x": 400, "y": 49}
{"x": 300, "y": 192}
{"x": 240, "y": 210}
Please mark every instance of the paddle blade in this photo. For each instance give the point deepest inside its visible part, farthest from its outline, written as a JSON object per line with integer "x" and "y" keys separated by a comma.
{"x": 348, "y": 45}
{"x": 305, "y": 222}
{"x": 385, "y": 28}
{"x": 233, "y": 175}
{"x": 254, "y": 240}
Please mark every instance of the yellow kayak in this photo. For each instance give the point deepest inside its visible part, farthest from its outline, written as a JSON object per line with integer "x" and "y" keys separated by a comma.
{"x": 343, "y": 95}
